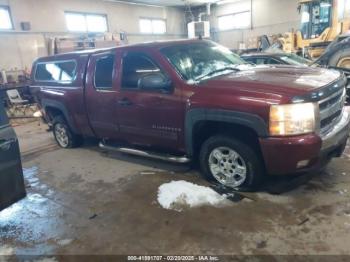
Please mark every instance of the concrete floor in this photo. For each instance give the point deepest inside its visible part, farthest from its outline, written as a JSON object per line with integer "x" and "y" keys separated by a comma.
{"x": 86, "y": 201}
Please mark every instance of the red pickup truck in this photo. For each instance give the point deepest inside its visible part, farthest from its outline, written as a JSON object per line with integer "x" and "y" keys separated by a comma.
{"x": 196, "y": 100}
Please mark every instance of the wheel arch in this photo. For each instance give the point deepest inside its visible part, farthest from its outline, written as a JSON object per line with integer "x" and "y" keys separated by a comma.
{"x": 243, "y": 125}
{"x": 54, "y": 108}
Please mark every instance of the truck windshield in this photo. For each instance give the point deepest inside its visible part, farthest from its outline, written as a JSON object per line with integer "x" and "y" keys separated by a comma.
{"x": 201, "y": 61}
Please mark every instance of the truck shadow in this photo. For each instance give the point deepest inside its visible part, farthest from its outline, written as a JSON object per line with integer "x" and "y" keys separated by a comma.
{"x": 92, "y": 144}
{"x": 279, "y": 185}
{"x": 272, "y": 184}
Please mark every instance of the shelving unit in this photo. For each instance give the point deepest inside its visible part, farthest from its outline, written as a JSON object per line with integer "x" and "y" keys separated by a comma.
{"x": 70, "y": 44}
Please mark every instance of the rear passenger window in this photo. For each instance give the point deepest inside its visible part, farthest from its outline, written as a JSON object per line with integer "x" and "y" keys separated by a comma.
{"x": 266, "y": 61}
{"x": 104, "y": 72}
{"x": 250, "y": 60}
{"x": 272, "y": 61}
{"x": 261, "y": 61}
{"x": 64, "y": 71}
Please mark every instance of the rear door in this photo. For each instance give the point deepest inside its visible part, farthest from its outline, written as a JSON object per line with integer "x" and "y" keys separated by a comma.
{"x": 11, "y": 176}
{"x": 100, "y": 94}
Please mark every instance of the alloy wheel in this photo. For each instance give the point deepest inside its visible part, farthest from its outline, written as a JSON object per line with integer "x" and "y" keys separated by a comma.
{"x": 227, "y": 166}
{"x": 61, "y": 135}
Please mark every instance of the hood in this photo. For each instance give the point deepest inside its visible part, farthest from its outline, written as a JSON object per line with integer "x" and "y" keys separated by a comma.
{"x": 289, "y": 80}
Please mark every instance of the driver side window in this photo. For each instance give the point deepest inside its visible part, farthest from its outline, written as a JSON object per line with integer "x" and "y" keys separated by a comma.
{"x": 135, "y": 66}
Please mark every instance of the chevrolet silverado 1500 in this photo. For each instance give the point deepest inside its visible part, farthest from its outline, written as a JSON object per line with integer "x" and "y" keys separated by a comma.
{"x": 194, "y": 100}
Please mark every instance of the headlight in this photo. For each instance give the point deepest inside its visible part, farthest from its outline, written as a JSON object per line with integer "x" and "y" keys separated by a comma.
{"x": 292, "y": 119}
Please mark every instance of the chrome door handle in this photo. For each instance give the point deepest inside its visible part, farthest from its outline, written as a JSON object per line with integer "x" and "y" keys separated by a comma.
{"x": 4, "y": 146}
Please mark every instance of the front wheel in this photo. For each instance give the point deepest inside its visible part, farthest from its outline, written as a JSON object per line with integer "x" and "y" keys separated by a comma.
{"x": 230, "y": 162}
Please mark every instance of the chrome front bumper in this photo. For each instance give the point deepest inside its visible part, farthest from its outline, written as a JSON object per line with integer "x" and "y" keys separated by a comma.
{"x": 338, "y": 133}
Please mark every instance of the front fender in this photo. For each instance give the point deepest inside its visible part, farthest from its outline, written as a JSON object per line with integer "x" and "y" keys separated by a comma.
{"x": 193, "y": 116}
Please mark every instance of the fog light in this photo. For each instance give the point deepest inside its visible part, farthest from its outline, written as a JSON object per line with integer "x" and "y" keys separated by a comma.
{"x": 303, "y": 163}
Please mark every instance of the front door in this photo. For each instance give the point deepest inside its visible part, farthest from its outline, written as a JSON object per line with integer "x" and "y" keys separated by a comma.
{"x": 11, "y": 177}
{"x": 148, "y": 117}
{"x": 100, "y": 94}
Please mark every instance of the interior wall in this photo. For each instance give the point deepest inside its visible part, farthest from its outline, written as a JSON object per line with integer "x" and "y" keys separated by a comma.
{"x": 268, "y": 17}
{"x": 18, "y": 49}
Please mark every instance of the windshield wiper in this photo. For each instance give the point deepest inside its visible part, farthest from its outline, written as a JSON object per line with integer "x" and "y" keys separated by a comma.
{"x": 218, "y": 71}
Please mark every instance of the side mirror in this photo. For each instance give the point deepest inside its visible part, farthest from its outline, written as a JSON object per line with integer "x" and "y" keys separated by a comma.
{"x": 155, "y": 81}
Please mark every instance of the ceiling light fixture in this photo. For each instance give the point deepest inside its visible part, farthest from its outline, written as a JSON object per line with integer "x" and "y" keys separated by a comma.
{"x": 223, "y": 2}
{"x": 131, "y": 3}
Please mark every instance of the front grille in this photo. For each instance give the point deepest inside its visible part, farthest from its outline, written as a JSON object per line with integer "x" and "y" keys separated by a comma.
{"x": 331, "y": 109}
{"x": 329, "y": 102}
{"x": 327, "y": 121}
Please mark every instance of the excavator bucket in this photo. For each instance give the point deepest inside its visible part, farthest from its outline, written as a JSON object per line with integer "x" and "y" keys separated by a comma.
{"x": 264, "y": 42}
{"x": 12, "y": 186}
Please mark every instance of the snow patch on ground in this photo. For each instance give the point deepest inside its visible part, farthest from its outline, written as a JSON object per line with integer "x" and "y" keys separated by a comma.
{"x": 177, "y": 195}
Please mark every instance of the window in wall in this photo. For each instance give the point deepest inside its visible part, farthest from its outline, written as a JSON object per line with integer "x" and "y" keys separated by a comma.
{"x": 152, "y": 26}
{"x": 343, "y": 9}
{"x": 104, "y": 72}
{"x": 234, "y": 21}
{"x": 81, "y": 22}
{"x": 56, "y": 71}
{"x": 5, "y": 18}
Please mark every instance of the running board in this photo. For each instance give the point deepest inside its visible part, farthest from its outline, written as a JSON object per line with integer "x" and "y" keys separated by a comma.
{"x": 137, "y": 152}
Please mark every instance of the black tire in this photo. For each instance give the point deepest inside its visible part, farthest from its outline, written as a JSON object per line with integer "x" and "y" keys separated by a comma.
{"x": 339, "y": 56}
{"x": 73, "y": 140}
{"x": 253, "y": 163}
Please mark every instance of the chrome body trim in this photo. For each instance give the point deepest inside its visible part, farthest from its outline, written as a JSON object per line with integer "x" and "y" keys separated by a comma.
{"x": 132, "y": 151}
{"x": 339, "y": 131}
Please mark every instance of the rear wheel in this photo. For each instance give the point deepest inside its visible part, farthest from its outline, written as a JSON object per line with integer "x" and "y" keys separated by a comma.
{"x": 341, "y": 59}
{"x": 344, "y": 62}
{"x": 230, "y": 162}
{"x": 64, "y": 137}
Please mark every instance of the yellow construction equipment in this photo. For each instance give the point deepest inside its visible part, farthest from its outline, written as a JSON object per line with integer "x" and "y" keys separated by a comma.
{"x": 322, "y": 22}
